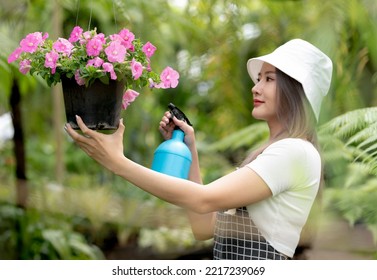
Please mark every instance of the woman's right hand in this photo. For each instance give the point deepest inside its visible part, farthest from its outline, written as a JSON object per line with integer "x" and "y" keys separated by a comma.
{"x": 167, "y": 125}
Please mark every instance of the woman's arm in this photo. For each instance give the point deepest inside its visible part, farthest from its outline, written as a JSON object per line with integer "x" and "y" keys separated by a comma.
{"x": 202, "y": 225}
{"x": 239, "y": 188}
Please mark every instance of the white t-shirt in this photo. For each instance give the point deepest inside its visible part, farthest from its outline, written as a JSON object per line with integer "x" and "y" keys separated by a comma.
{"x": 291, "y": 168}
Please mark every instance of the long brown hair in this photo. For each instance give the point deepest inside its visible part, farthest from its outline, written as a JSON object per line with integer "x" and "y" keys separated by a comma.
{"x": 294, "y": 111}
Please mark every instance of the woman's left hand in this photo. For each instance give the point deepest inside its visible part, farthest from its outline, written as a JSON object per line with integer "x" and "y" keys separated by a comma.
{"x": 106, "y": 149}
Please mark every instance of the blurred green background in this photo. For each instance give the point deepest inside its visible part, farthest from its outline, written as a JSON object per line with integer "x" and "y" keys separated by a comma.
{"x": 57, "y": 203}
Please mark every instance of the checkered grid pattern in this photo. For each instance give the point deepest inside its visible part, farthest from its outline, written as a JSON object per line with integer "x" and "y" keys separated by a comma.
{"x": 237, "y": 238}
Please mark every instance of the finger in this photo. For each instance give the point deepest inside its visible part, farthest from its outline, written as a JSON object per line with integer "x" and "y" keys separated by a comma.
{"x": 121, "y": 127}
{"x": 182, "y": 125}
{"x": 87, "y": 131}
{"x": 178, "y": 122}
{"x": 162, "y": 125}
{"x": 166, "y": 119}
{"x": 162, "y": 128}
{"x": 74, "y": 134}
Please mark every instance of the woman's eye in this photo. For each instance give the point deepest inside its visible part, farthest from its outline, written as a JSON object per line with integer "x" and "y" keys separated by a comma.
{"x": 268, "y": 79}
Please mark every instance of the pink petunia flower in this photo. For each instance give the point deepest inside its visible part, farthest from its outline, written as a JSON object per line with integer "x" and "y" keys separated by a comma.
{"x": 85, "y": 37}
{"x": 80, "y": 81}
{"x": 25, "y": 66}
{"x": 115, "y": 52}
{"x": 89, "y": 56}
{"x": 169, "y": 78}
{"x": 94, "y": 47}
{"x": 127, "y": 37}
{"x": 149, "y": 49}
{"x": 116, "y": 37}
{"x": 100, "y": 37}
{"x": 96, "y": 62}
{"x": 136, "y": 68}
{"x": 63, "y": 46}
{"x": 75, "y": 34}
{"x": 128, "y": 97}
{"x": 15, "y": 55}
{"x": 108, "y": 67}
{"x": 50, "y": 60}
{"x": 31, "y": 42}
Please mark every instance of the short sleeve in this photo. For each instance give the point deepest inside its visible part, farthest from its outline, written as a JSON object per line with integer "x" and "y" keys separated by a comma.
{"x": 286, "y": 164}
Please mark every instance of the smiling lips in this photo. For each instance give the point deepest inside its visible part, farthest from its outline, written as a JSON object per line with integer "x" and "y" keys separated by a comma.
{"x": 257, "y": 102}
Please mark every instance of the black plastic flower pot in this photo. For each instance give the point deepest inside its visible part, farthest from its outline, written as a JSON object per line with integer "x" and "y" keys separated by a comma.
{"x": 99, "y": 105}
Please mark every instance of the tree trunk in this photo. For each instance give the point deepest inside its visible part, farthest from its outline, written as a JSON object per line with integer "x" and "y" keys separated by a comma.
{"x": 19, "y": 147}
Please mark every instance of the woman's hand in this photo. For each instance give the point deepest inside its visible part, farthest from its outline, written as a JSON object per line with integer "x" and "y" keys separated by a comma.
{"x": 167, "y": 126}
{"x": 106, "y": 149}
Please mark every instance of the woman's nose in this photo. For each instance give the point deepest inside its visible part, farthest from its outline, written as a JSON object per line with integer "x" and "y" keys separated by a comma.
{"x": 255, "y": 89}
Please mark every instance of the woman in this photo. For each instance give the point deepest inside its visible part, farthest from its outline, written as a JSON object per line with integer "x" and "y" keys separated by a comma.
{"x": 257, "y": 211}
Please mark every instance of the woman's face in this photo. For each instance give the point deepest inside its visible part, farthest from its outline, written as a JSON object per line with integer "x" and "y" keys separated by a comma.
{"x": 264, "y": 94}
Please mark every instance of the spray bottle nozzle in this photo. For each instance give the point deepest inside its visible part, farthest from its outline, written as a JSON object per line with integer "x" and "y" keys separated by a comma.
{"x": 174, "y": 111}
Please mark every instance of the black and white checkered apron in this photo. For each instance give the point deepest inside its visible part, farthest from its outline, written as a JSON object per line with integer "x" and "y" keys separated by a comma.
{"x": 237, "y": 238}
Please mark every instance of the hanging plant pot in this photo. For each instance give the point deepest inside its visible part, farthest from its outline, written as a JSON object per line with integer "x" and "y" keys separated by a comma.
{"x": 99, "y": 105}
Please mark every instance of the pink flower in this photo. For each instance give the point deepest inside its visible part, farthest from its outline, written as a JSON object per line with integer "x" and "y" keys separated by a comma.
{"x": 169, "y": 78}
{"x": 25, "y": 66}
{"x": 136, "y": 68}
{"x": 116, "y": 37}
{"x": 31, "y": 42}
{"x": 128, "y": 97}
{"x": 15, "y": 55}
{"x": 96, "y": 62}
{"x": 100, "y": 37}
{"x": 75, "y": 34}
{"x": 50, "y": 61}
{"x": 94, "y": 47}
{"x": 85, "y": 37}
{"x": 149, "y": 49}
{"x": 127, "y": 37}
{"x": 108, "y": 67}
{"x": 115, "y": 52}
{"x": 63, "y": 46}
{"x": 91, "y": 56}
{"x": 80, "y": 81}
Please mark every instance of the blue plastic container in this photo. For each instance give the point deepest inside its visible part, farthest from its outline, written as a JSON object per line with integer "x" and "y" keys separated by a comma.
{"x": 173, "y": 157}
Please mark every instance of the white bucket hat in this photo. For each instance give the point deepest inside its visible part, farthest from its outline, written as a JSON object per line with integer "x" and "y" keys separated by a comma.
{"x": 303, "y": 62}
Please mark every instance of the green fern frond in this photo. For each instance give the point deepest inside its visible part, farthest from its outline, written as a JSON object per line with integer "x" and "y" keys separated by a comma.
{"x": 354, "y": 134}
{"x": 357, "y": 174}
{"x": 348, "y": 124}
{"x": 333, "y": 149}
{"x": 364, "y": 137}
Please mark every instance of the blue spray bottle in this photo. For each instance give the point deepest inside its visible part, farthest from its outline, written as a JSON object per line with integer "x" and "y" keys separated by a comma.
{"x": 173, "y": 157}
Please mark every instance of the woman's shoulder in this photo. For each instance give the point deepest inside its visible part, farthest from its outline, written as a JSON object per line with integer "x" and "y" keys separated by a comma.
{"x": 294, "y": 146}
{"x": 292, "y": 142}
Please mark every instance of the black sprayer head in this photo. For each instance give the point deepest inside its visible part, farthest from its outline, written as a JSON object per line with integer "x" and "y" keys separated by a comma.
{"x": 174, "y": 111}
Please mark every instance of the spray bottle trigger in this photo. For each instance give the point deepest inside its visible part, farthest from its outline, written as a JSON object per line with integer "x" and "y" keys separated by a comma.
{"x": 175, "y": 111}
